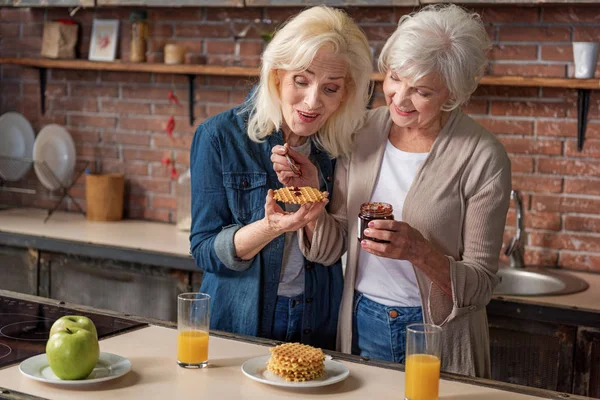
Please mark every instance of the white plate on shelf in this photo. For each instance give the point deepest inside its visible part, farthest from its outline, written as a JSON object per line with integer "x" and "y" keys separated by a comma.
{"x": 110, "y": 366}
{"x": 54, "y": 156}
{"x": 256, "y": 369}
{"x": 16, "y": 141}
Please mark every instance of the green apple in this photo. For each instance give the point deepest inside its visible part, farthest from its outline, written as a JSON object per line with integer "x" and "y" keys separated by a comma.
{"x": 73, "y": 321}
{"x": 72, "y": 353}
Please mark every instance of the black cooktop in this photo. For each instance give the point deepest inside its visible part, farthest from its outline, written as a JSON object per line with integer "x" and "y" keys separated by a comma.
{"x": 24, "y": 327}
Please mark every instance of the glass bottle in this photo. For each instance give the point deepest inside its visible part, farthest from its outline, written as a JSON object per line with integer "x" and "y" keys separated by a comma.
{"x": 369, "y": 212}
{"x": 139, "y": 34}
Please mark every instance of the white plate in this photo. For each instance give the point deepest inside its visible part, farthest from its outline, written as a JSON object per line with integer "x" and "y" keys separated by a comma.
{"x": 16, "y": 141}
{"x": 54, "y": 156}
{"x": 109, "y": 366}
{"x": 256, "y": 368}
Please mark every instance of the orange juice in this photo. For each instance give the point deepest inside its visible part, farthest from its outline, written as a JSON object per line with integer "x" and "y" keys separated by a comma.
{"x": 422, "y": 377}
{"x": 192, "y": 347}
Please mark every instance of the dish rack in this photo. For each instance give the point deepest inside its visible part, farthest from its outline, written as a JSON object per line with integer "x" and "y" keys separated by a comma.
{"x": 8, "y": 164}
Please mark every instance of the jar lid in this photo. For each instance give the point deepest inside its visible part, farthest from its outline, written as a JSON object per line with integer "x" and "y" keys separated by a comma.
{"x": 376, "y": 208}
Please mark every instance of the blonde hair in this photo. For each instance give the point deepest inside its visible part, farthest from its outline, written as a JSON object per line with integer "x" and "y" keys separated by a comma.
{"x": 293, "y": 48}
{"x": 443, "y": 39}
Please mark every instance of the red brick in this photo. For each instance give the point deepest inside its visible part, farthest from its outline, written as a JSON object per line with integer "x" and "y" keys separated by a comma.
{"x": 570, "y": 95}
{"x": 529, "y": 70}
{"x": 581, "y": 262}
{"x": 567, "y": 241}
{"x": 161, "y": 171}
{"x": 281, "y": 14}
{"x": 585, "y": 13}
{"x": 160, "y": 30}
{"x": 231, "y": 82}
{"x": 535, "y": 34}
{"x": 8, "y": 14}
{"x": 143, "y": 185}
{"x": 556, "y": 128}
{"x": 164, "y": 202}
{"x": 378, "y": 32}
{"x": 10, "y": 90}
{"x": 557, "y": 52}
{"x": 565, "y": 204}
{"x": 544, "y": 257}
{"x": 248, "y": 48}
{"x": 111, "y": 76}
{"x": 19, "y": 73}
{"x": 586, "y": 33}
{"x": 582, "y": 224}
{"x": 29, "y": 30}
{"x": 143, "y": 124}
{"x": 582, "y": 186}
{"x": 513, "y": 52}
{"x": 509, "y": 14}
{"x": 506, "y": 126}
{"x": 164, "y": 141}
{"x": 364, "y": 15}
{"x": 179, "y": 111}
{"x": 591, "y": 148}
{"x": 136, "y": 169}
{"x": 149, "y": 93}
{"x": 212, "y": 96}
{"x": 144, "y": 155}
{"x": 74, "y": 75}
{"x": 568, "y": 167}
{"x": 94, "y": 91}
{"x": 225, "y": 46}
{"x": 239, "y": 96}
{"x": 536, "y": 220}
{"x": 64, "y": 104}
{"x": 182, "y": 158}
{"x": 521, "y": 163}
{"x": 9, "y": 30}
{"x": 213, "y": 110}
{"x": 151, "y": 215}
{"x": 97, "y": 121}
{"x": 163, "y": 14}
{"x": 83, "y": 136}
{"x": 200, "y": 31}
{"x": 125, "y": 138}
{"x": 528, "y": 108}
{"x": 531, "y": 145}
{"x": 222, "y": 14}
{"x": 537, "y": 184}
{"x": 476, "y": 106}
{"x": 124, "y": 107}
{"x": 95, "y": 151}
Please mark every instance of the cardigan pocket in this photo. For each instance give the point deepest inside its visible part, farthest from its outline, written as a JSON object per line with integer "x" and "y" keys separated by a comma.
{"x": 246, "y": 193}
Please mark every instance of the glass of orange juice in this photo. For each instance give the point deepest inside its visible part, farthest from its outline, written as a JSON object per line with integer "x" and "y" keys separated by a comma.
{"x": 423, "y": 357}
{"x": 193, "y": 320}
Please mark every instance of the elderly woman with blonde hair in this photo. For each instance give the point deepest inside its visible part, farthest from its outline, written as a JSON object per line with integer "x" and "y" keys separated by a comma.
{"x": 311, "y": 97}
{"x": 448, "y": 181}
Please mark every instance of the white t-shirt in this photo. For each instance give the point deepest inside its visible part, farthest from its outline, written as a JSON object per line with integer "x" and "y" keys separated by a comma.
{"x": 384, "y": 280}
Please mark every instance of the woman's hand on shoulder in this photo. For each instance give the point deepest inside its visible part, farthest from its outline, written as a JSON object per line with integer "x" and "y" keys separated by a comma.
{"x": 280, "y": 221}
{"x": 306, "y": 173}
{"x": 405, "y": 242}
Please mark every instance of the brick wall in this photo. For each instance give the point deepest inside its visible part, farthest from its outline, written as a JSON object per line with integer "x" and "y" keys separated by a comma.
{"x": 117, "y": 119}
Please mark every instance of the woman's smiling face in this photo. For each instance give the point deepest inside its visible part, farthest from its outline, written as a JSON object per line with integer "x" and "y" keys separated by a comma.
{"x": 309, "y": 97}
{"x": 417, "y": 105}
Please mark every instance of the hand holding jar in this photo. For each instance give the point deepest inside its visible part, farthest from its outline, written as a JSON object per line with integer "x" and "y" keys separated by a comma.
{"x": 394, "y": 239}
{"x": 293, "y": 168}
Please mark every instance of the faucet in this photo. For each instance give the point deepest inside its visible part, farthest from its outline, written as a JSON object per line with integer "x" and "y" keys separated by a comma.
{"x": 515, "y": 248}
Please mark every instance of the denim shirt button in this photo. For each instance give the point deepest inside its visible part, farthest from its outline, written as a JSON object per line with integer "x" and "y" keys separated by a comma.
{"x": 245, "y": 183}
{"x": 307, "y": 331}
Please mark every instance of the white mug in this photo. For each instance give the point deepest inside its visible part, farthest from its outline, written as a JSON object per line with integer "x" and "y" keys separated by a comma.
{"x": 585, "y": 55}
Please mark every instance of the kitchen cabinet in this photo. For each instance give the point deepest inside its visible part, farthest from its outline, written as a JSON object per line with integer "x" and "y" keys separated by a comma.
{"x": 18, "y": 269}
{"x": 587, "y": 363}
{"x": 532, "y": 353}
{"x": 126, "y": 287}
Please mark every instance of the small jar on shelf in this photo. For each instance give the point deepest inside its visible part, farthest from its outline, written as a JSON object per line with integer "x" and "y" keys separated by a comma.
{"x": 139, "y": 35}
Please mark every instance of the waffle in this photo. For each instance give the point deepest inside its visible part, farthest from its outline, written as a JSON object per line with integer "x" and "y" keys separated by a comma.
{"x": 298, "y": 195}
{"x": 296, "y": 362}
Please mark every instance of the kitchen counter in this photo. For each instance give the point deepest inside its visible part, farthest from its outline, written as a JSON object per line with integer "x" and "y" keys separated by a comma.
{"x": 155, "y": 374}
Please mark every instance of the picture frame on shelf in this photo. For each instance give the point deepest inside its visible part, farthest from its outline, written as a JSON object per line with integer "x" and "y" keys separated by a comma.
{"x": 103, "y": 44}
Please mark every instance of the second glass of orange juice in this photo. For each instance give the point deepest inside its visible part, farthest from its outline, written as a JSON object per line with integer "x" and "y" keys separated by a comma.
{"x": 423, "y": 356}
{"x": 193, "y": 319}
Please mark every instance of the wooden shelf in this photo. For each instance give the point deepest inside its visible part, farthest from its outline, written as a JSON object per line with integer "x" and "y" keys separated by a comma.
{"x": 221, "y": 70}
{"x": 583, "y": 86}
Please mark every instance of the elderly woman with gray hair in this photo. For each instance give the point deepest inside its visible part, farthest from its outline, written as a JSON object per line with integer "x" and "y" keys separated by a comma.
{"x": 448, "y": 180}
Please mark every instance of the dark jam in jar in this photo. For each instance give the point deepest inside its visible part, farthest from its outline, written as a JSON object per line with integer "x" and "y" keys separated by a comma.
{"x": 369, "y": 212}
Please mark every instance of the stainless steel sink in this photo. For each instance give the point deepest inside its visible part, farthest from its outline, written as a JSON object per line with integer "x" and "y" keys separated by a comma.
{"x": 537, "y": 281}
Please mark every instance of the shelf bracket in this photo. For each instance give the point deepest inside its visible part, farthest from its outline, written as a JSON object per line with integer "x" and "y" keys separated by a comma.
{"x": 583, "y": 105}
{"x": 191, "y": 98}
{"x": 43, "y": 75}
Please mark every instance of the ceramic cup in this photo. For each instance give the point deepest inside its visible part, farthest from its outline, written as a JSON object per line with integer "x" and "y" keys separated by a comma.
{"x": 585, "y": 55}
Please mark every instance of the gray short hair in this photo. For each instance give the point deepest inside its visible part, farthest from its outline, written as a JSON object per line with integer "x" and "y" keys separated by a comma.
{"x": 445, "y": 39}
{"x": 293, "y": 48}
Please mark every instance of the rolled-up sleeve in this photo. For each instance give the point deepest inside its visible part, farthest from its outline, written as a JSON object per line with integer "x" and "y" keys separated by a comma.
{"x": 212, "y": 230}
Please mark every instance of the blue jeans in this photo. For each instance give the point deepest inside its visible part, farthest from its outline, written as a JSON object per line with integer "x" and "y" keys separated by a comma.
{"x": 287, "y": 324}
{"x": 378, "y": 331}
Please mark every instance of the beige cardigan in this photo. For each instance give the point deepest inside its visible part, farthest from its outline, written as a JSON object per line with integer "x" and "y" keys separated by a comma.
{"x": 458, "y": 201}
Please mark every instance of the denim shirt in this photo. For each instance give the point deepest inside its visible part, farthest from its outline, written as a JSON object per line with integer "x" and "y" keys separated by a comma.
{"x": 231, "y": 176}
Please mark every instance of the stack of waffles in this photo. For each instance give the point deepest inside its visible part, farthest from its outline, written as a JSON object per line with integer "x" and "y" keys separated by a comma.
{"x": 296, "y": 362}
{"x": 299, "y": 195}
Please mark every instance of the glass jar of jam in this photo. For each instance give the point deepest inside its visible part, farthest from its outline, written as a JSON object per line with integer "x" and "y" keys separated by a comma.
{"x": 369, "y": 212}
